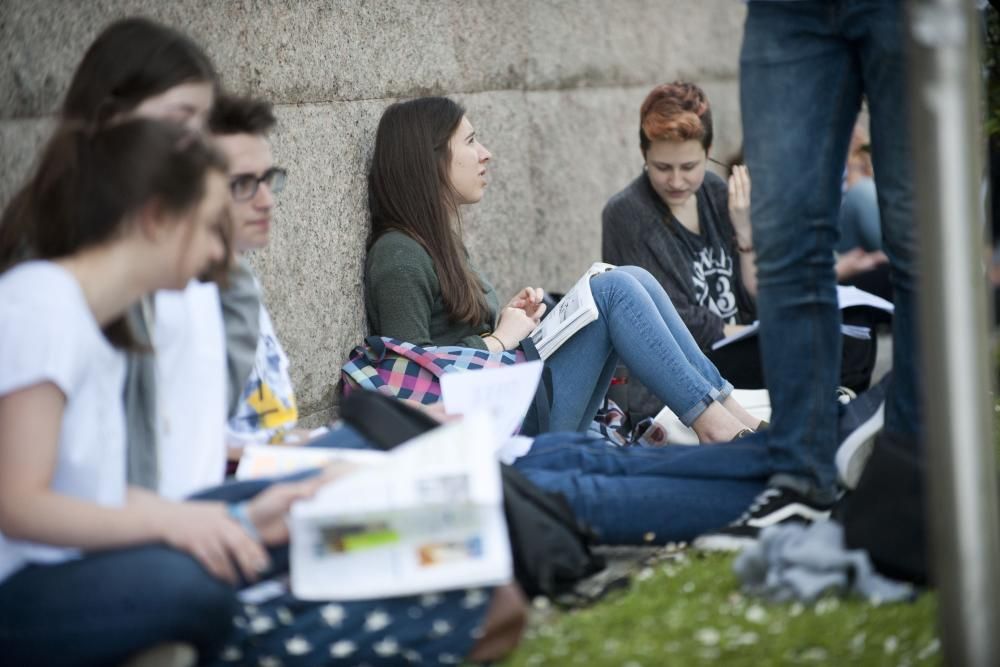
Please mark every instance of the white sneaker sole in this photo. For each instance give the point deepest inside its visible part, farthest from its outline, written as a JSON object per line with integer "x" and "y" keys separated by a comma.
{"x": 853, "y": 453}
{"x": 722, "y": 543}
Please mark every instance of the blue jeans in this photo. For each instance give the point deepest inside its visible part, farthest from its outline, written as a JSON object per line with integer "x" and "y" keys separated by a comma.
{"x": 859, "y": 219}
{"x": 101, "y": 609}
{"x": 640, "y": 325}
{"x": 639, "y": 495}
{"x": 803, "y": 69}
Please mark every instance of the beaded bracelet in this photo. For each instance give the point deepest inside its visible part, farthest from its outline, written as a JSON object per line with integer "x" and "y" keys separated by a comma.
{"x": 238, "y": 512}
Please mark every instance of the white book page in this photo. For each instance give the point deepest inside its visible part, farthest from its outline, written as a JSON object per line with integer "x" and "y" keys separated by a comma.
{"x": 576, "y": 309}
{"x": 746, "y": 332}
{"x": 506, "y": 393}
{"x": 261, "y": 461}
{"x": 848, "y": 296}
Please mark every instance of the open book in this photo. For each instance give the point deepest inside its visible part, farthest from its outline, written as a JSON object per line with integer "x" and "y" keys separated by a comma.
{"x": 427, "y": 517}
{"x": 573, "y": 312}
{"x": 847, "y": 297}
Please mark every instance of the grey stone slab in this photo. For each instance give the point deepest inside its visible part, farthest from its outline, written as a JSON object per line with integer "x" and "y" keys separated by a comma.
{"x": 20, "y": 143}
{"x": 574, "y": 44}
{"x": 312, "y": 271}
{"x": 724, "y": 95}
{"x": 307, "y": 51}
{"x": 326, "y": 50}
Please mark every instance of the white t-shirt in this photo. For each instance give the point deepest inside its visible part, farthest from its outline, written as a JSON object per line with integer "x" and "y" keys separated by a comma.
{"x": 190, "y": 346}
{"x": 267, "y": 408}
{"x": 48, "y": 334}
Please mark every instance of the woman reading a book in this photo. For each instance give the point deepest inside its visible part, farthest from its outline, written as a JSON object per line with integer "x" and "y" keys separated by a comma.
{"x": 421, "y": 286}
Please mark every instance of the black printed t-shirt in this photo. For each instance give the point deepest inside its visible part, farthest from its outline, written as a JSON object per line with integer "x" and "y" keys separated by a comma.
{"x": 700, "y": 272}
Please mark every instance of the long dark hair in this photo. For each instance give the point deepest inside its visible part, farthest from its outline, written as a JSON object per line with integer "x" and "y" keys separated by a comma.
{"x": 409, "y": 191}
{"x": 89, "y": 182}
{"x": 130, "y": 61}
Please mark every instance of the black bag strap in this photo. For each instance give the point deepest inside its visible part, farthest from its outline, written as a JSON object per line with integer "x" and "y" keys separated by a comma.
{"x": 539, "y": 414}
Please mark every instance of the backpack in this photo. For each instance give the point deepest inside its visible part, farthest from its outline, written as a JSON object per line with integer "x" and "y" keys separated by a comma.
{"x": 552, "y": 550}
{"x": 404, "y": 370}
{"x": 886, "y": 514}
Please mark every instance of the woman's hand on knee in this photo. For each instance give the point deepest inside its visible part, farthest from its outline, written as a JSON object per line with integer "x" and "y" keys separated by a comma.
{"x": 206, "y": 531}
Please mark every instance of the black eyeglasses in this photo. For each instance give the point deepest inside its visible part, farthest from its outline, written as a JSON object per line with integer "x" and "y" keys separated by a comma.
{"x": 244, "y": 186}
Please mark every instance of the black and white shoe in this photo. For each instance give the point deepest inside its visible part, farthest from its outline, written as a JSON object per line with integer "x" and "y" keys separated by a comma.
{"x": 775, "y": 505}
{"x": 860, "y": 421}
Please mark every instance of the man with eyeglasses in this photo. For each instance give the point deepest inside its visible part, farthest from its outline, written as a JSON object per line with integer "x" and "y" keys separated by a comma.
{"x": 267, "y": 411}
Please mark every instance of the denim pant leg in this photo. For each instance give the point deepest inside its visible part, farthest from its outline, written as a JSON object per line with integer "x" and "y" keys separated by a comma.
{"x": 745, "y": 459}
{"x": 631, "y": 327}
{"x": 102, "y": 608}
{"x": 859, "y": 219}
{"x": 880, "y": 36}
{"x": 641, "y": 509}
{"x": 800, "y": 92}
{"x": 680, "y": 332}
{"x": 639, "y": 495}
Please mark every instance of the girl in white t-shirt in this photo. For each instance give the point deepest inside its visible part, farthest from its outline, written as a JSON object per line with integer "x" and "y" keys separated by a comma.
{"x": 92, "y": 570}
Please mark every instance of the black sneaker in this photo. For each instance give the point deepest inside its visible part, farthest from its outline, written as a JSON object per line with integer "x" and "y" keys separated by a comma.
{"x": 860, "y": 421}
{"x": 775, "y": 505}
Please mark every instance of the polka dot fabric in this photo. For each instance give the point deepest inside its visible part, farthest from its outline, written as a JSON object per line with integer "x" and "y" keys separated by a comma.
{"x": 431, "y": 629}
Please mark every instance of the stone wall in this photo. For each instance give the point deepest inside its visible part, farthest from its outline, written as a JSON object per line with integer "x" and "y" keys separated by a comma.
{"x": 552, "y": 86}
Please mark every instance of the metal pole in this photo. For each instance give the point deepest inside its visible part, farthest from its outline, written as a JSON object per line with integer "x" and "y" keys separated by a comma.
{"x": 962, "y": 495}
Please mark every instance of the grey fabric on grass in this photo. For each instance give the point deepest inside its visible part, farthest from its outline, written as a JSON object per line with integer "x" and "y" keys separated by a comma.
{"x": 797, "y": 562}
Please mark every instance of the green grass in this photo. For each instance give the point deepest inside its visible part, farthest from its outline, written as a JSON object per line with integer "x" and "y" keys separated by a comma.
{"x": 688, "y": 611}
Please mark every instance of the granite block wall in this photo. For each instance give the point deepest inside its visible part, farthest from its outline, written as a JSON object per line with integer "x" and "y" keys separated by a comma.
{"x": 552, "y": 86}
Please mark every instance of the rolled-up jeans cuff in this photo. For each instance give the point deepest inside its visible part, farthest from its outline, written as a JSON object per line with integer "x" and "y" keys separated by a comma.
{"x": 695, "y": 411}
{"x": 723, "y": 394}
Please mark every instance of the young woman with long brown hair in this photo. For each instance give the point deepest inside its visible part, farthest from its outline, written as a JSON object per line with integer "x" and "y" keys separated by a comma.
{"x": 421, "y": 286}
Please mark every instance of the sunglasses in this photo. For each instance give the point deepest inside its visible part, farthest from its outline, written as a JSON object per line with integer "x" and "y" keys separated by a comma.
{"x": 244, "y": 186}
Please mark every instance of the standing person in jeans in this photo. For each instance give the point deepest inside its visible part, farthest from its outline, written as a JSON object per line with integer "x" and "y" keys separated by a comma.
{"x": 804, "y": 68}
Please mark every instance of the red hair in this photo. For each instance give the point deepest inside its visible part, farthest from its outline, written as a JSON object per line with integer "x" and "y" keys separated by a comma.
{"x": 675, "y": 112}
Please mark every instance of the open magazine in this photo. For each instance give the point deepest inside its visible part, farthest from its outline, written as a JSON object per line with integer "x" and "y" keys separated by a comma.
{"x": 427, "y": 517}
{"x": 573, "y": 312}
{"x": 847, "y": 297}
